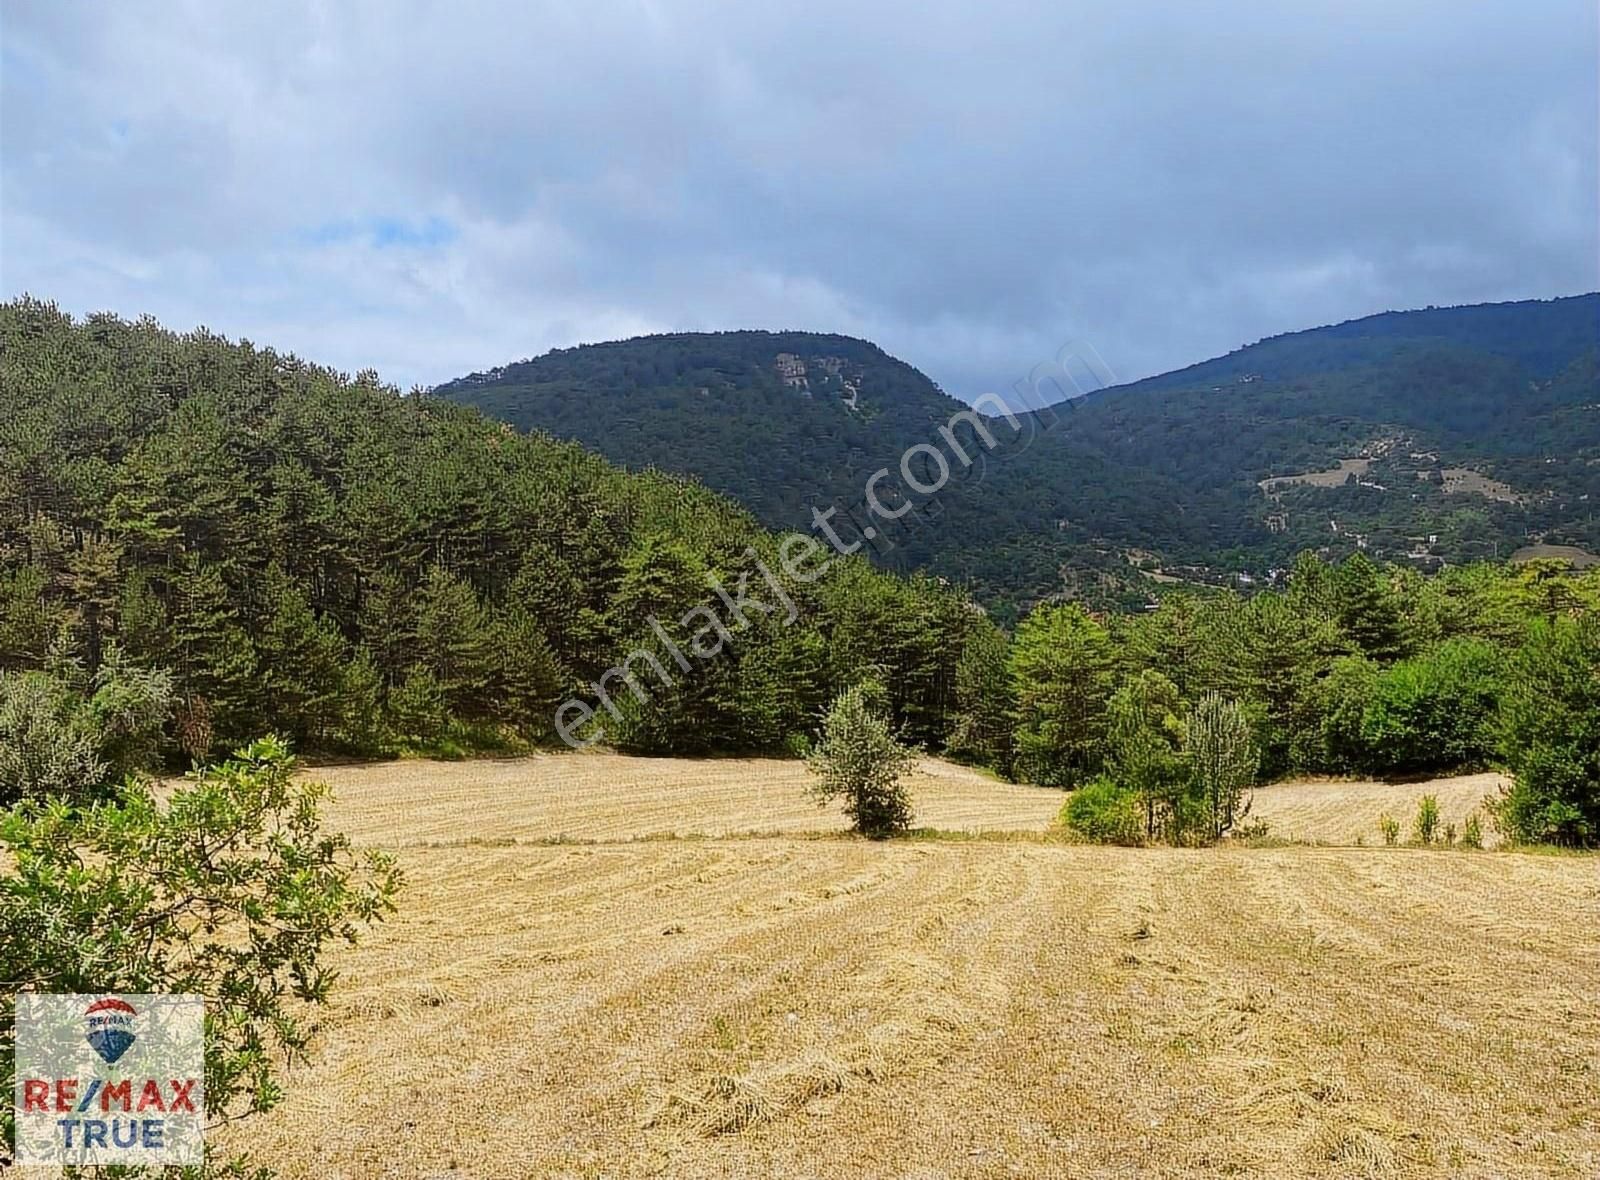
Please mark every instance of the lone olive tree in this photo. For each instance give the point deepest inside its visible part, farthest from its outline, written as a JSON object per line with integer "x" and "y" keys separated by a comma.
{"x": 857, "y": 759}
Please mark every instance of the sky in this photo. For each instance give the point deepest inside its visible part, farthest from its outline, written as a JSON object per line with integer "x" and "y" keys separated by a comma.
{"x": 432, "y": 189}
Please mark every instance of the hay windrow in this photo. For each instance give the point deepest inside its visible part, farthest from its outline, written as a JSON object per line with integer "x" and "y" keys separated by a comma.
{"x": 831, "y": 1008}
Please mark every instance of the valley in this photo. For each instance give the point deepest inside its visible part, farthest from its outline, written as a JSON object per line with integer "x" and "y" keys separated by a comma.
{"x": 603, "y": 964}
{"x": 863, "y": 592}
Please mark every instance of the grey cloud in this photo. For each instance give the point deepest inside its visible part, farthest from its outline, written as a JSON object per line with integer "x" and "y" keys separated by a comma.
{"x": 971, "y": 187}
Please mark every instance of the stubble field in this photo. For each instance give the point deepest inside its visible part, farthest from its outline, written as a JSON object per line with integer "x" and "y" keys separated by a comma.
{"x": 810, "y": 1005}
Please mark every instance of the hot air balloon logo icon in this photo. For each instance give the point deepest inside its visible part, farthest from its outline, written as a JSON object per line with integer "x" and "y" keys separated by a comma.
{"x": 109, "y": 1028}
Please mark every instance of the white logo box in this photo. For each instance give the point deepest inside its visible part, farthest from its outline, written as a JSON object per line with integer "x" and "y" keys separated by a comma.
{"x": 110, "y": 1078}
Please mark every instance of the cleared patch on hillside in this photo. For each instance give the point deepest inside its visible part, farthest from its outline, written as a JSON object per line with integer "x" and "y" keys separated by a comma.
{"x": 1335, "y": 812}
{"x": 602, "y": 796}
{"x": 837, "y": 1008}
{"x": 1576, "y": 557}
{"x": 1465, "y": 481}
{"x": 1333, "y": 477}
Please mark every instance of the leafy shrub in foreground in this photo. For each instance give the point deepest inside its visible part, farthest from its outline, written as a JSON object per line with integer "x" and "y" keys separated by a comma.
{"x": 227, "y": 889}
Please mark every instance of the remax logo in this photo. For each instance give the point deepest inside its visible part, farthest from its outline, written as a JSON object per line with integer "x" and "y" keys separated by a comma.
{"x": 109, "y": 1079}
{"x": 108, "y": 1027}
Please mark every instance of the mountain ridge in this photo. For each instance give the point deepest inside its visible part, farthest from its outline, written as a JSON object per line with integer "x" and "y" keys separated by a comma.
{"x": 1156, "y": 473}
{"x": 1577, "y": 313}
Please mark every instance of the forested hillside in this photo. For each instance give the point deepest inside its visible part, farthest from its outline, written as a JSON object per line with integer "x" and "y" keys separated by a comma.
{"x": 298, "y": 551}
{"x": 203, "y": 541}
{"x": 796, "y": 422}
{"x": 1541, "y": 336}
{"x": 1437, "y": 435}
{"x": 1428, "y": 436}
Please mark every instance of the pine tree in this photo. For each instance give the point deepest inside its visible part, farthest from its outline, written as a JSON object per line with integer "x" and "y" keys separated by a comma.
{"x": 858, "y": 760}
{"x": 142, "y": 629}
{"x": 361, "y": 722}
{"x": 1173, "y": 639}
{"x": 985, "y": 705}
{"x": 528, "y": 680}
{"x": 1313, "y": 587}
{"x": 27, "y": 621}
{"x": 1144, "y": 749}
{"x": 387, "y": 624}
{"x": 1061, "y": 663}
{"x": 1272, "y": 657}
{"x": 214, "y": 662}
{"x": 1222, "y": 758}
{"x": 90, "y": 582}
{"x": 417, "y": 709}
{"x": 454, "y": 643}
{"x": 1367, "y": 610}
{"x": 661, "y": 579}
{"x": 302, "y": 659}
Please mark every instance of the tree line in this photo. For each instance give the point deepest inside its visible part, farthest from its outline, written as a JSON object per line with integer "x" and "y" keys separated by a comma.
{"x": 202, "y": 541}
{"x": 277, "y": 547}
{"x": 1345, "y": 669}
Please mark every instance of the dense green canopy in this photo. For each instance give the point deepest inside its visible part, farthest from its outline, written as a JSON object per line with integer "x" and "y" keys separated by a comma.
{"x": 203, "y": 541}
{"x": 320, "y": 555}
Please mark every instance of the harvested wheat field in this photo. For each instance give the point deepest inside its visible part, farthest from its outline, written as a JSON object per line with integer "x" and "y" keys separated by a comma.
{"x": 828, "y": 1007}
{"x": 1339, "y": 812}
{"x": 602, "y": 796}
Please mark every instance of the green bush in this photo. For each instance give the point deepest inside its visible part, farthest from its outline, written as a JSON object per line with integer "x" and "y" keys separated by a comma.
{"x": 1390, "y": 827}
{"x": 64, "y": 733}
{"x": 1472, "y": 832}
{"x": 1551, "y": 736}
{"x": 1105, "y": 813}
{"x": 857, "y": 759}
{"x": 45, "y": 748}
{"x": 1334, "y": 743}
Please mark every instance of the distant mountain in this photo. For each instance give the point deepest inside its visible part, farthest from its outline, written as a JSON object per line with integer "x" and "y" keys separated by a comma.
{"x": 790, "y": 423}
{"x": 1430, "y": 435}
{"x": 1540, "y": 336}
